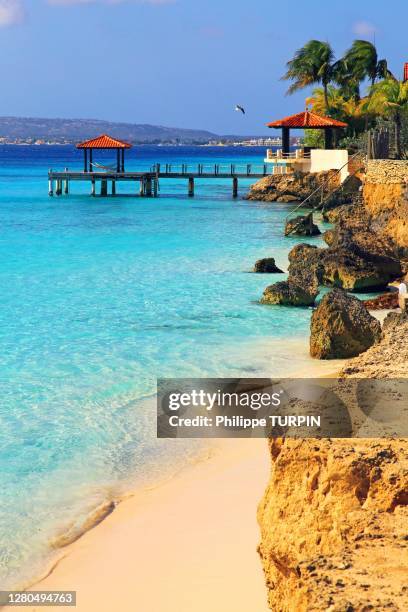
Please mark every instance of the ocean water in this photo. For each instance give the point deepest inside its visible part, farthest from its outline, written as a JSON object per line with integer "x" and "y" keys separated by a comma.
{"x": 99, "y": 297}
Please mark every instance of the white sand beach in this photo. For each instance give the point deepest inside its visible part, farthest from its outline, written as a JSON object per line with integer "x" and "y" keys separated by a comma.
{"x": 188, "y": 545}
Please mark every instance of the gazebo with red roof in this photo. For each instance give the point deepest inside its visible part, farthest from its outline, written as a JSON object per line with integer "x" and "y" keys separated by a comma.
{"x": 104, "y": 142}
{"x": 307, "y": 121}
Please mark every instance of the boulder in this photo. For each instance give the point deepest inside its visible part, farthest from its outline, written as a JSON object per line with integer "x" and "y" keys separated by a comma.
{"x": 332, "y": 215}
{"x": 267, "y": 266}
{"x": 386, "y": 301}
{"x": 342, "y": 327}
{"x": 329, "y": 237}
{"x": 288, "y": 293}
{"x": 347, "y": 269}
{"x": 304, "y": 267}
{"x": 358, "y": 259}
{"x": 302, "y": 226}
{"x": 303, "y": 251}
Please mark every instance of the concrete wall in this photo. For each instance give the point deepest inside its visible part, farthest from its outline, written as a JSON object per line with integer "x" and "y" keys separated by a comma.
{"x": 329, "y": 159}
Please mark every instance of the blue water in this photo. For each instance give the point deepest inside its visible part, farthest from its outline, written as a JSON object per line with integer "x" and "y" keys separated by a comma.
{"x": 99, "y": 297}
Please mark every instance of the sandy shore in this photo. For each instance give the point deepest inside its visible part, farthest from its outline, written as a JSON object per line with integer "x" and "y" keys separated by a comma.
{"x": 186, "y": 546}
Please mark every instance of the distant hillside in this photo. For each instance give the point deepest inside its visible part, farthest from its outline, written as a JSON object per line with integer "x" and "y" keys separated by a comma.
{"x": 21, "y": 129}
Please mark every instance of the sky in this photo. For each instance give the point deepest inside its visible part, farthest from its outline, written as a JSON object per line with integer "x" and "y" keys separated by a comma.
{"x": 179, "y": 63}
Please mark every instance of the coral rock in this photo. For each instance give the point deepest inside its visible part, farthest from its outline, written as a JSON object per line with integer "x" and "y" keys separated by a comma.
{"x": 342, "y": 327}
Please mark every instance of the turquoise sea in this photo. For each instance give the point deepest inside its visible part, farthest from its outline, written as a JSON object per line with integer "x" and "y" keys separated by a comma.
{"x": 99, "y": 297}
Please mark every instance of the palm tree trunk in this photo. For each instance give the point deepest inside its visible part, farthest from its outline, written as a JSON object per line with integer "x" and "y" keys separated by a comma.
{"x": 398, "y": 122}
{"x": 326, "y": 96}
{"x": 370, "y": 93}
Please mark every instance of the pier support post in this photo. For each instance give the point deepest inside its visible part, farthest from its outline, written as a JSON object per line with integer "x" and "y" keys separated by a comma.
{"x": 66, "y": 183}
{"x": 155, "y": 187}
{"x": 148, "y": 187}
{"x": 142, "y": 188}
{"x": 191, "y": 187}
{"x": 113, "y": 188}
{"x": 93, "y": 187}
{"x": 104, "y": 187}
{"x": 235, "y": 187}
{"x": 50, "y": 188}
{"x": 58, "y": 190}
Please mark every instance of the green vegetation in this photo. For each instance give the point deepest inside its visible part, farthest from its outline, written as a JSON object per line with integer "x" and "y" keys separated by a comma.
{"x": 339, "y": 92}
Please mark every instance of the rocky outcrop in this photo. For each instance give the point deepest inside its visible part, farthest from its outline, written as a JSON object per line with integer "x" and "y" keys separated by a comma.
{"x": 334, "y": 526}
{"x": 385, "y": 198}
{"x": 387, "y": 359}
{"x": 335, "y": 512}
{"x": 292, "y": 187}
{"x": 386, "y": 301}
{"x": 302, "y": 225}
{"x": 288, "y": 293}
{"x": 332, "y": 215}
{"x": 267, "y": 266}
{"x": 359, "y": 257}
{"x": 329, "y": 237}
{"x": 342, "y": 327}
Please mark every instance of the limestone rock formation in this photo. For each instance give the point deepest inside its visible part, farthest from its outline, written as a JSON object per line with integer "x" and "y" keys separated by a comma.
{"x": 386, "y": 198}
{"x": 332, "y": 215}
{"x": 292, "y": 187}
{"x": 267, "y": 266}
{"x": 329, "y": 237}
{"x": 342, "y": 327}
{"x": 359, "y": 258}
{"x": 334, "y": 526}
{"x": 288, "y": 293}
{"x": 335, "y": 512}
{"x": 386, "y": 301}
{"x": 301, "y": 225}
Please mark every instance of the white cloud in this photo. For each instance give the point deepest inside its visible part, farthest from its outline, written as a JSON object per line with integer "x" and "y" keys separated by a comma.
{"x": 364, "y": 28}
{"x": 11, "y": 12}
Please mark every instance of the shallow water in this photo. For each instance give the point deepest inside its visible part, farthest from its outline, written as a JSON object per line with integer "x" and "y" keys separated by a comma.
{"x": 99, "y": 298}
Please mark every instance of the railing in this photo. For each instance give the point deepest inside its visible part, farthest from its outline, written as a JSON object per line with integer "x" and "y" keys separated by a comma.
{"x": 279, "y": 154}
{"x": 326, "y": 183}
{"x": 212, "y": 169}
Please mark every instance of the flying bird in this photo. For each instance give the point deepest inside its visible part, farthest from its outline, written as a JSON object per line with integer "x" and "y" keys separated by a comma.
{"x": 239, "y": 108}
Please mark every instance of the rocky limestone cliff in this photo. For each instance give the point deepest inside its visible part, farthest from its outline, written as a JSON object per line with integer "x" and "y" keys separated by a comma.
{"x": 334, "y": 526}
{"x": 292, "y": 187}
{"x": 334, "y": 517}
{"x": 386, "y": 199}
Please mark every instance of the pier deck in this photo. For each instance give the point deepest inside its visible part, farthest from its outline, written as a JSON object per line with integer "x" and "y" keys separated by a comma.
{"x": 148, "y": 180}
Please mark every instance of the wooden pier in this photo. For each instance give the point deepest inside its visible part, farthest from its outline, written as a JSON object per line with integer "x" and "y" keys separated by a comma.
{"x": 145, "y": 183}
{"x": 103, "y": 179}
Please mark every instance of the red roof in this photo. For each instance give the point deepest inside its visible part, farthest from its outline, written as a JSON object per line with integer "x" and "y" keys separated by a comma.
{"x": 103, "y": 142}
{"x": 307, "y": 119}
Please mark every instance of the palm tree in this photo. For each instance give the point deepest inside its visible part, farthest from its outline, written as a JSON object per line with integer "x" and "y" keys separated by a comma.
{"x": 312, "y": 64}
{"x": 348, "y": 82}
{"x": 334, "y": 97}
{"x": 342, "y": 107}
{"x": 361, "y": 62}
{"x": 389, "y": 98}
